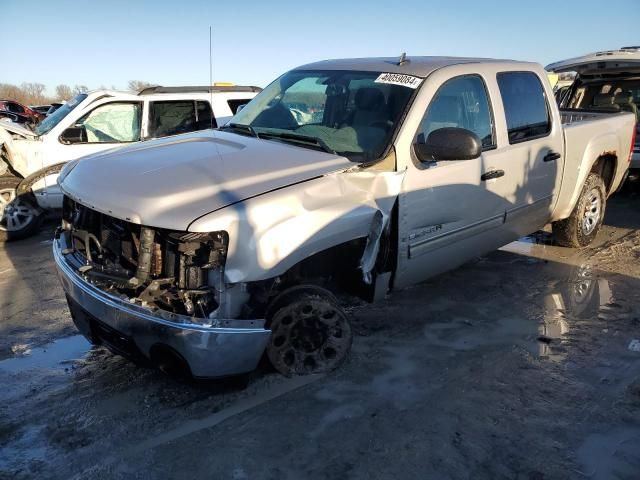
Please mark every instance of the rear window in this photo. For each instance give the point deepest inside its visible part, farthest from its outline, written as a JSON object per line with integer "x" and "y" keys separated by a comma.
{"x": 525, "y": 106}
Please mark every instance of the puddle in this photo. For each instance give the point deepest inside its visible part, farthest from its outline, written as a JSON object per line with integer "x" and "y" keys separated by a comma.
{"x": 531, "y": 247}
{"x": 54, "y": 355}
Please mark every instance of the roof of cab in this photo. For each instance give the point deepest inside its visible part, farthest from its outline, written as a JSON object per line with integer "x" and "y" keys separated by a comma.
{"x": 416, "y": 66}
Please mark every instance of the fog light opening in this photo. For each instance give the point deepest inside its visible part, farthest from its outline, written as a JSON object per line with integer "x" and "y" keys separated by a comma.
{"x": 169, "y": 361}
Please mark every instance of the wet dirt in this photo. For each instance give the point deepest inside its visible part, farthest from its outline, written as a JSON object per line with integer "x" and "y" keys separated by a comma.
{"x": 516, "y": 366}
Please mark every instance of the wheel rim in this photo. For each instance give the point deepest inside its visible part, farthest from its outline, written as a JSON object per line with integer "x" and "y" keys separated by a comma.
{"x": 592, "y": 211}
{"x": 15, "y": 213}
{"x": 309, "y": 336}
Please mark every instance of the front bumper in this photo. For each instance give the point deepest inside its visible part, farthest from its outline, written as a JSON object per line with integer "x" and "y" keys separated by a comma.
{"x": 233, "y": 348}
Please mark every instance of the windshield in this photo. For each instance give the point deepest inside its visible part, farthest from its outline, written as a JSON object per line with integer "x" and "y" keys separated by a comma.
{"x": 52, "y": 120}
{"x": 353, "y": 114}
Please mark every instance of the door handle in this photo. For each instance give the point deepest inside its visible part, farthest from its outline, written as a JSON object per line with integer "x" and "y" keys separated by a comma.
{"x": 551, "y": 156}
{"x": 491, "y": 174}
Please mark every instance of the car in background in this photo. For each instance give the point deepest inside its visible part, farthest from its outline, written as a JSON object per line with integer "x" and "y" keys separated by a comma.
{"x": 41, "y": 109}
{"x": 30, "y": 158}
{"x": 15, "y": 118}
{"x": 47, "y": 109}
{"x": 54, "y": 107}
{"x": 21, "y": 111}
{"x": 609, "y": 82}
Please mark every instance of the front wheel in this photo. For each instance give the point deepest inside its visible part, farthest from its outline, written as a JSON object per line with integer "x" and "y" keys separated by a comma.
{"x": 19, "y": 217}
{"x": 581, "y": 228}
{"x": 310, "y": 333}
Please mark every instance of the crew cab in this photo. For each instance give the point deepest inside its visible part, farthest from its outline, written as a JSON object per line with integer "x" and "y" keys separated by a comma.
{"x": 203, "y": 251}
{"x": 606, "y": 82}
{"x": 30, "y": 158}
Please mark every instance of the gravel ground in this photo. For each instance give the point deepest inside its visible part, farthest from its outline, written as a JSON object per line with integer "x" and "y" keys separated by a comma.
{"x": 516, "y": 366}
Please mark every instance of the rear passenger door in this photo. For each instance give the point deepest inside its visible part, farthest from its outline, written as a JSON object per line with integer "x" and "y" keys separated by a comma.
{"x": 173, "y": 117}
{"x": 533, "y": 154}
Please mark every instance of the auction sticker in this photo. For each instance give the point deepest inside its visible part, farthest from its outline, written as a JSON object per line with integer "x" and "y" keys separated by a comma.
{"x": 399, "y": 79}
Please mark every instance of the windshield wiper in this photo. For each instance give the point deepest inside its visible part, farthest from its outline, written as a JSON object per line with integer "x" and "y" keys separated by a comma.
{"x": 239, "y": 126}
{"x": 297, "y": 138}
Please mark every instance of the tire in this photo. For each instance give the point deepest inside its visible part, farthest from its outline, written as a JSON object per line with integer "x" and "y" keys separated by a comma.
{"x": 581, "y": 228}
{"x": 310, "y": 334}
{"x": 19, "y": 216}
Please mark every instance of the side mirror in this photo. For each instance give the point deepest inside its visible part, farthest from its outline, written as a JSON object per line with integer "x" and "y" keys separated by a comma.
{"x": 449, "y": 144}
{"x": 73, "y": 135}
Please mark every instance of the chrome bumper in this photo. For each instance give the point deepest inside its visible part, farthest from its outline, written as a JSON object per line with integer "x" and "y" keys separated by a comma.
{"x": 234, "y": 348}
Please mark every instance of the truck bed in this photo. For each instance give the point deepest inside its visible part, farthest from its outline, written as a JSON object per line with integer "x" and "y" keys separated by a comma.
{"x": 589, "y": 135}
{"x": 573, "y": 115}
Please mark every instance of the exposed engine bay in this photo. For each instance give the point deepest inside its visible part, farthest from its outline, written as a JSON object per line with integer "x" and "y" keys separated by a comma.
{"x": 178, "y": 272}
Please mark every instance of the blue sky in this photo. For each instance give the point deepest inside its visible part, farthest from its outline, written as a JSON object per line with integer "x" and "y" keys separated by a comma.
{"x": 109, "y": 42}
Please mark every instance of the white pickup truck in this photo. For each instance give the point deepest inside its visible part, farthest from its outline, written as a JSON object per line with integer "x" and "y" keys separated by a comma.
{"x": 94, "y": 122}
{"x": 202, "y": 251}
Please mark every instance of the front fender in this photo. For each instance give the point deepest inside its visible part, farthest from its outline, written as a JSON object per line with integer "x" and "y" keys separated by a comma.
{"x": 271, "y": 233}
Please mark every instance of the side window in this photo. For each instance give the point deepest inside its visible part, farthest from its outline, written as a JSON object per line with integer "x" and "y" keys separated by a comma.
{"x": 525, "y": 106}
{"x": 204, "y": 116}
{"x": 237, "y": 103}
{"x": 461, "y": 102}
{"x": 14, "y": 107}
{"x": 114, "y": 122}
{"x": 172, "y": 118}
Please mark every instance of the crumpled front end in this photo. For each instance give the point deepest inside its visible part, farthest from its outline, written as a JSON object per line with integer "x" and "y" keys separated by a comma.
{"x": 155, "y": 293}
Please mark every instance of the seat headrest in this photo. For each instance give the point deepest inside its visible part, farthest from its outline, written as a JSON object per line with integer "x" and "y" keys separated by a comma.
{"x": 369, "y": 99}
{"x": 602, "y": 99}
{"x": 623, "y": 98}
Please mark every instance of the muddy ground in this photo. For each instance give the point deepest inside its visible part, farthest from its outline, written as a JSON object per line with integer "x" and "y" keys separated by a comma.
{"x": 516, "y": 366}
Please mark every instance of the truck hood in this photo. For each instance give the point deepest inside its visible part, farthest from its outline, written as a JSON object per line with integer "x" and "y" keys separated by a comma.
{"x": 614, "y": 61}
{"x": 16, "y": 128}
{"x": 170, "y": 182}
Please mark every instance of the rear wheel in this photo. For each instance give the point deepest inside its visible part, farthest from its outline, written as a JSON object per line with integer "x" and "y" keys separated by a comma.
{"x": 19, "y": 217}
{"x": 581, "y": 228}
{"x": 310, "y": 334}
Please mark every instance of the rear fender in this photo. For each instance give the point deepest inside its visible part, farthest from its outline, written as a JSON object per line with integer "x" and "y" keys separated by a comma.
{"x": 603, "y": 145}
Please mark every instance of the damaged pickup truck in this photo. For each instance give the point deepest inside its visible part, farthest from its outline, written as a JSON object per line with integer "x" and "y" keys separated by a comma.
{"x": 347, "y": 177}
{"x": 30, "y": 158}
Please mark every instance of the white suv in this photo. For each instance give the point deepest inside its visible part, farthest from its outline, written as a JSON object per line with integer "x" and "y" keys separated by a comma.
{"x": 90, "y": 123}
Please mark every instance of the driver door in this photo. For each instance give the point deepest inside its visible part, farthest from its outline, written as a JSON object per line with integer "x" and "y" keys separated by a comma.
{"x": 106, "y": 126}
{"x": 447, "y": 212}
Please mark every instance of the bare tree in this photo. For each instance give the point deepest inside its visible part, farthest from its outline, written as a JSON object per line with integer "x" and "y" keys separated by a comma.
{"x": 80, "y": 89}
{"x": 27, "y": 93}
{"x": 11, "y": 92}
{"x": 63, "y": 92}
{"x": 34, "y": 92}
{"x": 137, "y": 85}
